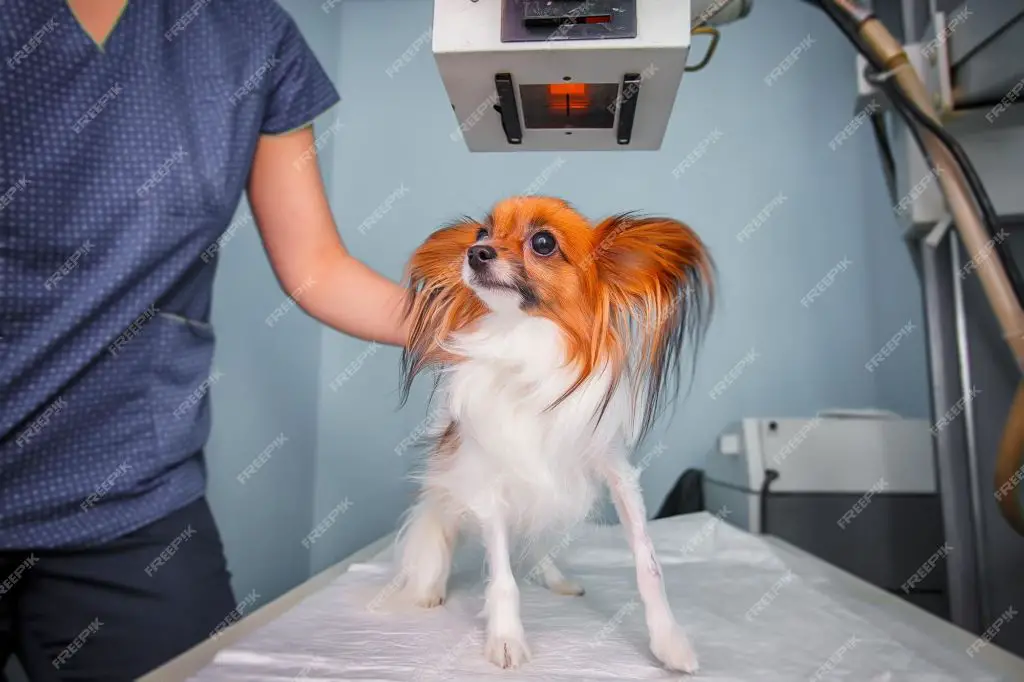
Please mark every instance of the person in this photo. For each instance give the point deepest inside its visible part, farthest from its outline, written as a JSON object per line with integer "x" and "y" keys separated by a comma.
{"x": 128, "y": 132}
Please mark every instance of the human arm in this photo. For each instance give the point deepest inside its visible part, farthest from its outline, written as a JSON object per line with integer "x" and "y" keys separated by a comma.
{"x": 307, "y": 254}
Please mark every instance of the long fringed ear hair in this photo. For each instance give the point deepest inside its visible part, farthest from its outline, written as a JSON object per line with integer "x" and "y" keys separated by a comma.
{"x": 438, "y": 302}
{"x": 657, "y": 293}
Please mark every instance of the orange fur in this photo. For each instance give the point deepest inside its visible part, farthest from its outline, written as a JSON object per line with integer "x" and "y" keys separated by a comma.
{"x": 629, "y": 284}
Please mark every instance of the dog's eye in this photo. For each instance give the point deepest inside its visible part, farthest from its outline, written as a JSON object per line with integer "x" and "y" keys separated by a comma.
{"x": 543, "y": 243}
{"x": 481, "y": 233}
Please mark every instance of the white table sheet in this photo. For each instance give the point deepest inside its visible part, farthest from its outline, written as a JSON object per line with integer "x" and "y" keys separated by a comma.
{"x": 755, "y": 614}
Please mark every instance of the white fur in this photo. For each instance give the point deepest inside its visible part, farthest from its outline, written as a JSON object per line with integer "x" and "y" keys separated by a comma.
{"x": 524, "y": 471}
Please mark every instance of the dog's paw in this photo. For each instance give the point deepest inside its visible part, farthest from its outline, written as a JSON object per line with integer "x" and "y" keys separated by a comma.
{"x": 672, "y": 647}
{"x": 425, "y": 596}
{"x": 567, "y": 587}
{"x": 429, "y": 601}
{"x": 507, "y": 651}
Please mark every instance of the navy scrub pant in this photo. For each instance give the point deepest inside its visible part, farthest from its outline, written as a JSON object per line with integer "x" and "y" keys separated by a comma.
{"x": 110, "y": 612}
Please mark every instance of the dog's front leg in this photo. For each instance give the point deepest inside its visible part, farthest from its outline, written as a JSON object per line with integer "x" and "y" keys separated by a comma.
{"x": 668, "y": 641}
{"x": 506, "y": 641}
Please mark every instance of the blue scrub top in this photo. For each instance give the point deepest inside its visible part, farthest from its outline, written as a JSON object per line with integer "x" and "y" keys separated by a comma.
{"x": 120, "y": 166}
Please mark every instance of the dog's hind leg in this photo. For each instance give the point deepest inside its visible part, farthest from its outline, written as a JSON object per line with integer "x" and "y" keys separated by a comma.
{"x": 426, "y": 543}
{"x": 547, "y": 572}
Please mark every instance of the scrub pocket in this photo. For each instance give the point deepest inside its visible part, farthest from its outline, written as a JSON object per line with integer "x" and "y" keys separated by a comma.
{"x": 181, "y": 378}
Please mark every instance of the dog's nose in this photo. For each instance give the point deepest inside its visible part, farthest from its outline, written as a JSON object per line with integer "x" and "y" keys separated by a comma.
{"x": 479, "y": 254}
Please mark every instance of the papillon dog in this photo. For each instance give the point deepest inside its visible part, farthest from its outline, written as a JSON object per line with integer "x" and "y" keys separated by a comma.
{"x": 555, "y": 343}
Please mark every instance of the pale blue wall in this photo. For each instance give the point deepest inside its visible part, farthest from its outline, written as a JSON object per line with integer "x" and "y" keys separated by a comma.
{"x": 396, "y": 134}
{"x": 774, "y": 139}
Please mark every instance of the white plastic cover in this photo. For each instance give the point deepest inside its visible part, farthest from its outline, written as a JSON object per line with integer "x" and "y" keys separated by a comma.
{"x": 752, "y": 618}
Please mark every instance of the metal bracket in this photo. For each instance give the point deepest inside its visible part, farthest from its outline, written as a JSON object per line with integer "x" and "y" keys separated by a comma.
{"x": 938, "y": 233}
{"x": 930, "y": 59}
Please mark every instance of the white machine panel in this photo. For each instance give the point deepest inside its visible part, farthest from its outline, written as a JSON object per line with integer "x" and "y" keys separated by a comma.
{"x": 827, "y": 454}
{"x": 567, "y": 94}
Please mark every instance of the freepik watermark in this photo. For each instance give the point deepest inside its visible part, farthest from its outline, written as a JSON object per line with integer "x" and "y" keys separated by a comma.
{"x": 70, "y": 264}
{"x": 904, "y": 204}
{"x": 8, "y": 196}
{"x": 254, "y": 81}
{"x": 420, "y": 431}
{"x": 1006, "y": 102}
{"x": 383, "y": 209}
{"x": 262, "y": 458}
{"x": 761, "y": 218}
{"x": 771, "y": 595}
{"x": 1009, "y": 485}
{"x": 927, "y": 567}
{"x": 393, "y": 586}
{"x": 613, "y": 624}
{"x": 984, "y": 253}
{"x": 890, "y": 347}
{"x": 170, "y": 550}
{"x": 861, "y": 504}
{"x": 835, "y": 659}
{"x": 786, "y": 64}
{"x": 318, "y": 143}
{"x": 326, "y": 523}
{"x": 350, "y": 370}
{"x": 475, "y": 117}
{"x": 933, "y": 45}
{"x": 645, "y": 461}
{"x": 77, "y": 643}
{"x": 97, "y": 108}
{"x": 161, "y": 172}
{"x": 211, "y": 250}
{"x": 571, "y": 19}
{"x": 630, "y": 91}
{"x": 825, "y": 282}
{"x": 439, "y": 669}
{"x": 954, "y": 412}
{"x": 187, "y": 18}
{"x": 854, "y": 125}
{"x": 410, "y": 53}
{"x": 706, "y": 530}
{"x": 105, "y": 487}
{"x": 699, "y": 151}
{"x": 289, "y": 303}
{"x": 133, "y": 330}
{"x": 236, "y": 614}
{"x": 733, "y": 374}
{"x": 547, "y": 561}
{"x": 14, "y": 576}
{"x": 793, "y": 443}
{"x": 41, "y": 422}
{"x": 542, "y": 179}
{"x": 197, "y": 395}
{"x": 33, "y": 43}
{"x": 709, "y": 12}
{"x": 992, "y": 630}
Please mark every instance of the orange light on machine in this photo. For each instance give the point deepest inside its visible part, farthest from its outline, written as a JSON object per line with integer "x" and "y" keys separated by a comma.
{"x": 566, "y": 97}
{"x": 563, "y": 89}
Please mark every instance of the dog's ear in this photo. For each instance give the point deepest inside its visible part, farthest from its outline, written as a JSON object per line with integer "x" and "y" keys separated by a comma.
{"x": 658, "y": 279}
{"x": 438, "y": 302}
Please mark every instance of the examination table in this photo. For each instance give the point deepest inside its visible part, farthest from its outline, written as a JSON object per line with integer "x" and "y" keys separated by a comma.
{"x": 756, "y": 608}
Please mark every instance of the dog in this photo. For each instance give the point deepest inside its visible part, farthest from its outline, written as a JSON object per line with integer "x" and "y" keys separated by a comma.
{"x": 555, "y": 344}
